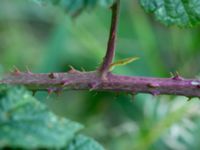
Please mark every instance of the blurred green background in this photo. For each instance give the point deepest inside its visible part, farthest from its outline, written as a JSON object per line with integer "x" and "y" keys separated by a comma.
{"x": 45, "y": 39}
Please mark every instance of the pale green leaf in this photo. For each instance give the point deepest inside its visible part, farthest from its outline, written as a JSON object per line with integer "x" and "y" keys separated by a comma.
{"x": 27, "y": 123}
{"x": 122, "y": 62}
{"x": 82, "y": 142}
{"x": 184, "y": 13}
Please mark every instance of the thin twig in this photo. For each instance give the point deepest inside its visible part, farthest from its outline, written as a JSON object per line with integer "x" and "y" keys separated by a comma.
{"x": 110, "y": 53}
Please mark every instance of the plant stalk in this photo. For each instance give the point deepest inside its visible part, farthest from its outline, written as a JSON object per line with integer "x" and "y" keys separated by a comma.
{"x": 91, "y": 81}
{"x": 110, "y": 53}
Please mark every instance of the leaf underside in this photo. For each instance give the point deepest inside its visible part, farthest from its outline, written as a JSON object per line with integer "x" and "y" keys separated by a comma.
{"x": 184, "y": 13}
{"x": 27, "y": 123}
{"x": 82, "y": 142}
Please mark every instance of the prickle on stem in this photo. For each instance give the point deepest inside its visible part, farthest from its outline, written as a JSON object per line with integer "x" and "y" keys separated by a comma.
{"x": 58, "y": 91}
{"x": 176, "y": 76}
{"x": 28, "y": 70}
{"x": 50, "y": 90}
{"x": 73, "y": 70}
{"x": 54, "y": 90}
{"x": 16, "y": 71}
{"x": 53, "y": 75}
{"x": 65, "y": 83}
{"x": 155, "y": 93}
{"x": 153, "y": 85}
{"x": 93, "y": 86}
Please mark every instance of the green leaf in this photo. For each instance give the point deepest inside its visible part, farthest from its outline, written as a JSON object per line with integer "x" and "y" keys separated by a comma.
{"x": 3, "y": 90}
{"x": 184, "y": 13}
{"x": 82, "y": 142}
{"x": 27, "y": 123}
{"x": 75, "y": 7}
{"x": 122, "y": 62}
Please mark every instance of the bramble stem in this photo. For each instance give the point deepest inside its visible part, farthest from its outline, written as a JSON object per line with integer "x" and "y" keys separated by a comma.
{"x": 75, "y": 80}
{"x": 110, "y": 53}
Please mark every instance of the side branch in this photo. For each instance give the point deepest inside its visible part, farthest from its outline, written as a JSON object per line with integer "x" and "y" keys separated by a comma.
{"x": 110, "y": 53}
{"x": 115, "y": 83}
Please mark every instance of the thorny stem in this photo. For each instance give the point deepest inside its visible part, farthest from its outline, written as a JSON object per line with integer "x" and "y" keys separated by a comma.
{"x": 75, "y": 80}
{"x": 110, "y": 53}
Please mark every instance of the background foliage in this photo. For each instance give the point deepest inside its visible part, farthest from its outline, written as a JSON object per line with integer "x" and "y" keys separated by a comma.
{"x": 45, "y": 39}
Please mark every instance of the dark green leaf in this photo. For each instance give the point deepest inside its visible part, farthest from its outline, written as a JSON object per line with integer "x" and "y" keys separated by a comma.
{"x": 26, "y": 123}
{"x": 74, "y": 7}
{"x": 184, "y": 13}
{"x": 82, "y": 142}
